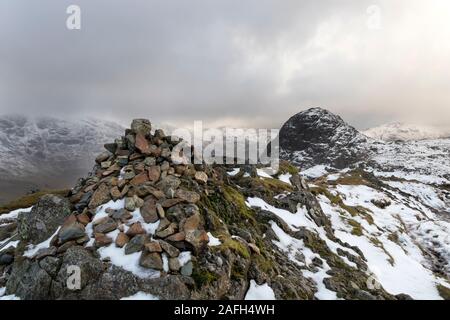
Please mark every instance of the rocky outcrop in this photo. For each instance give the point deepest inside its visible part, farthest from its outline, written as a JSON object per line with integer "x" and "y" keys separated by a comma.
{"x": 317, "y": 136}
{"x": 43, "y": 220}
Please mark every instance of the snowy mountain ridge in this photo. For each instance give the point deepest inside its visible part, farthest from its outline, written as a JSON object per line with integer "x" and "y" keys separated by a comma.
{"x": 399, "y": 131}
{"x": 393, "y": 202}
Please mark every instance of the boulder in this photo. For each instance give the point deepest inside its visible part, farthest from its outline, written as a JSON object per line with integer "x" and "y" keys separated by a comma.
{"x": 44, "y": 219}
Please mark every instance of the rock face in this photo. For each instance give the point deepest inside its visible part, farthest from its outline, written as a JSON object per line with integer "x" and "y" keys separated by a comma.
{"x": 190, "y": 232}
{"x": 43, "y": 220}
{"x": 316, "y": 136}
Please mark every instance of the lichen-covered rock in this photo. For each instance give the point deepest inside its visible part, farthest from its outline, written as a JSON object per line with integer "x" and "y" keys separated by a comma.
{"x": 42, "y": 221}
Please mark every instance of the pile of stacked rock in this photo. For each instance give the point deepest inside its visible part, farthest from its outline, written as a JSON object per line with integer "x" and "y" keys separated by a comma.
{"x": 138, "y": 170}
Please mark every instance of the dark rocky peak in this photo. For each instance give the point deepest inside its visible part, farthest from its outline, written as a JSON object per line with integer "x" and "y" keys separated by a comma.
{"x": 317, "y": 136}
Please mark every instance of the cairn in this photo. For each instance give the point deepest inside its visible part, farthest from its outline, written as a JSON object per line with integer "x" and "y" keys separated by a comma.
{"x": 138, "y": 170}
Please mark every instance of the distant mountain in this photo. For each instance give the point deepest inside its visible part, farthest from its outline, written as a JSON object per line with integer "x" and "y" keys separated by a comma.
{"x": 406, "y": 132}
{"x": 317, "y": 136}
{"x": 48, "y": 152}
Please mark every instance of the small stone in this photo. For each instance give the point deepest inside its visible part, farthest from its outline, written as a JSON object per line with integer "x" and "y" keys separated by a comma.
{"x": 170, "y": 202}
{"x": 142, "y": 144}
{"x": 197, "y": 238}
{"x": 160, "y": 211}
{"x": 192, "y": 223}
{"x": 71, "y": 231}
{"x": 179, "y": 169}
{"x": 168, "y": 182}
{"x": 141, "y": 178}
{"x": 142, "y": 126}
{"x": 171, "y": 250}
{"x": 107, "y": 226}
{"x": 200, "y": 176}
{"x": 135, "y": 229}
{"x": 165, "y": 166}
{"x": 105, "y": 164}
{"x": 100, "y": 196}
{"x": 136, "y": 244}
{"x": 83, "y": 218}
{"x": 115, "y": 193}
{"x": 174, "y": 264}
{"x": 188, "y": 196}
{"x": 122, "y": 239}
{"x": 138, "y": 201}
{"x": 151, "y": 260}
{"x": 102, "y": 157}
{"x": 130, "y": 204}
{"x": 102, "y": 240}
{"x": 154, "y": 173}
{"x": 186, "y": 270}
{"x": 128, "y": 173}
{"x": 111, "y": 147}
{"x": 119, "y": 214}
{"x": 114, "y": 168}
{"x": 153, "y": 246}
{"x": 149, "y": 211}
{"x": 171, "y": 229}
{"x": 163, "y": 223}
{"x": 140, "y": 168}
{"x": 135, "y": 156}
{"x": 158, "y": 194}
{"x": 122, "y": 160}
{"x": 180, "y": 236}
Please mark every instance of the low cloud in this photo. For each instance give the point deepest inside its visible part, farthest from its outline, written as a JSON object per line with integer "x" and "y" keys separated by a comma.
{"x": 251, "y": 63}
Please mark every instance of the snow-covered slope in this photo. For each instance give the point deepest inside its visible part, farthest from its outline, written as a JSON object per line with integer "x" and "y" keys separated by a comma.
{"x": 398, "y": 131}
{"x": 48, "y": 152}
{"x": 393, "y": 203}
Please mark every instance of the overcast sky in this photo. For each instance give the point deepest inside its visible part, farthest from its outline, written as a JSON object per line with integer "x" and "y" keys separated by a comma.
{"x": 239, "y": 63}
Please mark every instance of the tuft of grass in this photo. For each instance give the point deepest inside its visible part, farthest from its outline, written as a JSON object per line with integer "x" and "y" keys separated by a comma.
{"x": 444, "y": 292}
{"x": 236, "y": 198}
{"x": 357, "y": 228}
{"x": 237, "y": 247}
{"x": 203, "y": 277}
{"x": 30, "y": 200}
{"x": 287, "y": 167}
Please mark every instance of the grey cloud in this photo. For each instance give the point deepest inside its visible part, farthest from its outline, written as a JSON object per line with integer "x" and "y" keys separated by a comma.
{"x": 253, "y": 62}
